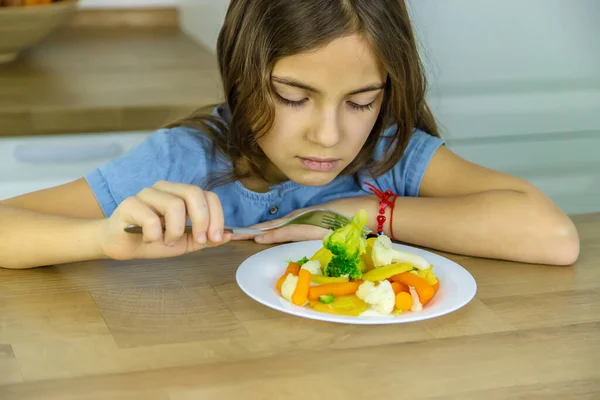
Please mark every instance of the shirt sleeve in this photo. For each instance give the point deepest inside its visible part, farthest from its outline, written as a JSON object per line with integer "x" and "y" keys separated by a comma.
{"x": 180, "y": 155}
{"x": 406, "y": 176}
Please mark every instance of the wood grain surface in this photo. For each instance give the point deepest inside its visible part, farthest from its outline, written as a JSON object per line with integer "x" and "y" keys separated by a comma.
{"x": 181, "y": 329}
{"x": 116, "y": 78}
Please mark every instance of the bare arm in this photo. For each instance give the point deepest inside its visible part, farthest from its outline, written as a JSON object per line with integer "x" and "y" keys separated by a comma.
{"x": 467, "y": 209}
{"x": 73, "y": 199}
{"x": 55, "y": 225}
{"x": 32, "y": 239}
{"x": 65, "y": 224}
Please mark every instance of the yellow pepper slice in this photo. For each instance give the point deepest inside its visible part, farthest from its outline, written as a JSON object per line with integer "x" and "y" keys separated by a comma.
{"x": 322, "y": 279}
{"x": 322, "y": 255}
{"x": 366, "y": 257}
{"x": 428, "y": 275}
{"x": 343, "y": 305}
{"x": 387, "y": 271}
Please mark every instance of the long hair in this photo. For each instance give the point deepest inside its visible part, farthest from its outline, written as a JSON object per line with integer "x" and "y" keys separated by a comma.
{"x": 257, "y": 33}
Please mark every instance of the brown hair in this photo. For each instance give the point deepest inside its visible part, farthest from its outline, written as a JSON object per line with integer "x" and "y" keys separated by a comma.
{"x": 257, "y": 33}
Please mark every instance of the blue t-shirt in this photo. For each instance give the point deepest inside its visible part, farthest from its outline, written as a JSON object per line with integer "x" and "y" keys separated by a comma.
{"x": 185, "y": 155}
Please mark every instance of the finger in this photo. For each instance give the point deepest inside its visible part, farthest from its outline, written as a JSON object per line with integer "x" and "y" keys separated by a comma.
{"x": 292, "y": 233}
{"x": 136, "y": 212}
{"x": 226, "y": 238}
{"x": 173, "y": 209}
{"x": 267, "y": 224}
{"x": 216, "y": 219}
{"x": 196, "y": 206}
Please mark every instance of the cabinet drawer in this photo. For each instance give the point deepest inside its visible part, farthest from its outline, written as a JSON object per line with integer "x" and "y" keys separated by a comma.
{"x": 33, "y": 163}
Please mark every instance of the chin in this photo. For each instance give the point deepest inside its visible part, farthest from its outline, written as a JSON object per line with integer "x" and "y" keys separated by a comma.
{"x": 308, "y": 178}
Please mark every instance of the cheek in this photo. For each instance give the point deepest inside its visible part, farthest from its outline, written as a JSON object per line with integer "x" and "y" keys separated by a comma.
{"x": 359, "y": 127}
{"x": 287, "y": 127}
{"x": 289, "y": 123}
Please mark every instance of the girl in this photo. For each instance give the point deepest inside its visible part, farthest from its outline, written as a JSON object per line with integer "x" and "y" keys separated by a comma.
{"x": 325, "y": 107}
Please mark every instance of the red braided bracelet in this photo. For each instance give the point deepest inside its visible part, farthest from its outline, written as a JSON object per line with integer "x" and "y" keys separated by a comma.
{"x": 387, "y": 198}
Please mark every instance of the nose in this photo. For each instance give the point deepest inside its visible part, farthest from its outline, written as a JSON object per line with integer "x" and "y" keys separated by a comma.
{"x": 326, "y": 131}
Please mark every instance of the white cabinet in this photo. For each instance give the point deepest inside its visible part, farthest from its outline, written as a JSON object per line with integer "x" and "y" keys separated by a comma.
{"x": 512, "y": 67}
{"x": 515, "y": 86}
{"x": 33, "y": 163}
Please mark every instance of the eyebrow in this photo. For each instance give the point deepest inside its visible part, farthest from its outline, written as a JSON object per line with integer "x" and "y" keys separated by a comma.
{"x": 294, "y": 83}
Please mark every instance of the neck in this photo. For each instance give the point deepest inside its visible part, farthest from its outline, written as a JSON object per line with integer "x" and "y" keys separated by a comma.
{"x": 261, "y": 182}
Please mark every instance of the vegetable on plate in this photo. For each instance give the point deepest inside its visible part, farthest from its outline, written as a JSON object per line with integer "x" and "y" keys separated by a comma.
{"x": 351, "y": 274}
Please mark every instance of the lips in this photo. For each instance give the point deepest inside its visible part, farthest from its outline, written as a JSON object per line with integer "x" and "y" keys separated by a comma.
{"x": 321, "y": 160}
{"x": 319, "y": 164}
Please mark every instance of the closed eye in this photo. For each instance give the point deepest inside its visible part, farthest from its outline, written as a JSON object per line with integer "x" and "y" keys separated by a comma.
{"x": 362, "y": 107}
{"x": 291, "y": 103}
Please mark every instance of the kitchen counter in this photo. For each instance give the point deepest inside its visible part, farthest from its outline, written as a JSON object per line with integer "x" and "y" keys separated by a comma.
{"x": 182, "y": 329}
{"x": 87, "y": 79}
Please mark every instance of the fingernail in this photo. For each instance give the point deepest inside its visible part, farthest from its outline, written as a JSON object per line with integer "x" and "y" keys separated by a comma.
{"x": 259, "y": 238}
{"x": 171, "y": 244}
{"x": 202, "y": 238}
{"x": 218, "y": 236}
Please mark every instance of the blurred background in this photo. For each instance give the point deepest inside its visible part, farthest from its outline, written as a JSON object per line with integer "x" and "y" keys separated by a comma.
{"x": 514, "y": 84}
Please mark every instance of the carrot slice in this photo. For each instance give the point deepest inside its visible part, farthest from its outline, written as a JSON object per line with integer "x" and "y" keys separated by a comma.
{"x": 292, "y": 268}
{"x": 404, "y": 301}
{"x": 301, "y": 292}
{"x": 336, "y": 289}
{"x": 399, "y": 287}
{"x": 424, "y": 290}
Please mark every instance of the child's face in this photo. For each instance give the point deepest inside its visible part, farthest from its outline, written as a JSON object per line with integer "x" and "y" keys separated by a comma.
{"x": 321, "y": 126}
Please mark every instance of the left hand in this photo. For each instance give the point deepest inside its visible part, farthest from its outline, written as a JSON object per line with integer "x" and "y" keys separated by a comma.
{"x": 291, "y": 233}
{"x": 296, "y": 233}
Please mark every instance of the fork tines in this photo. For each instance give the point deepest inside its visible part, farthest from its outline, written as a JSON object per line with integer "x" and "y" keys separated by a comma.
{"x": 336, "y": 221}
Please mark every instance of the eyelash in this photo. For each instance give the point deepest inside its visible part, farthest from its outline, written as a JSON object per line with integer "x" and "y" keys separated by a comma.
{"x": 358, "y": 107}
{"x": 361, "y": 107}
{"x": 291, "y": 103}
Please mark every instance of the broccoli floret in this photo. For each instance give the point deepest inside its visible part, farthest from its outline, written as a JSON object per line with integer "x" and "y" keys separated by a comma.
{"x": 326, "y": 299}
{"x": 349, "y": 239}
{"x": 341, "y": 265}
{"x": 302, "y": 261}
{"x": 347, "y": 244}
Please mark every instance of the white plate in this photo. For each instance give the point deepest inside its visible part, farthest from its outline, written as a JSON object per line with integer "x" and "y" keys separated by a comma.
{"x": 258, "y": 274}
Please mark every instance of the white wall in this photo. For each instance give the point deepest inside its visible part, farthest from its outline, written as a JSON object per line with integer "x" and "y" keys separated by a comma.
{"x": 508, "y": 79}
{"x": 496, "y": 68}
{"x": 202, "y": 19}
{"x": 515, "y": 85}
{"x": 512, "y": 67}
{"x": 126, "y": 3}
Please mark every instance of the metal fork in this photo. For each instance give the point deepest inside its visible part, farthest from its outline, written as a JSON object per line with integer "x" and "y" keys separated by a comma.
{"x": 321, "y": 217}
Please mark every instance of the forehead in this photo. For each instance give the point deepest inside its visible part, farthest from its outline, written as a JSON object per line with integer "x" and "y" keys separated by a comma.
{"x": 342, "y": 64}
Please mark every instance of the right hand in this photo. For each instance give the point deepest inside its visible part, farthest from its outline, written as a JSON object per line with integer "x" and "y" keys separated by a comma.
{"x": 171, "y": 203}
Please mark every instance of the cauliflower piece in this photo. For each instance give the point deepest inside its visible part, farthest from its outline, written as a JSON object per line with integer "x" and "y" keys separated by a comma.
{"x": 288, "y": 286}
{"x": 313, "y": 266}
{"x": 380, "y": 298}
{"x": 364, "y": 290}
{"x": 416, "y": 302}
{"x": 384, "y": 254}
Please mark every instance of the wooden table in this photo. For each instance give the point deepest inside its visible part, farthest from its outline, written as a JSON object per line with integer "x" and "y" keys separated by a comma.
{"x": 182, "y": 329}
